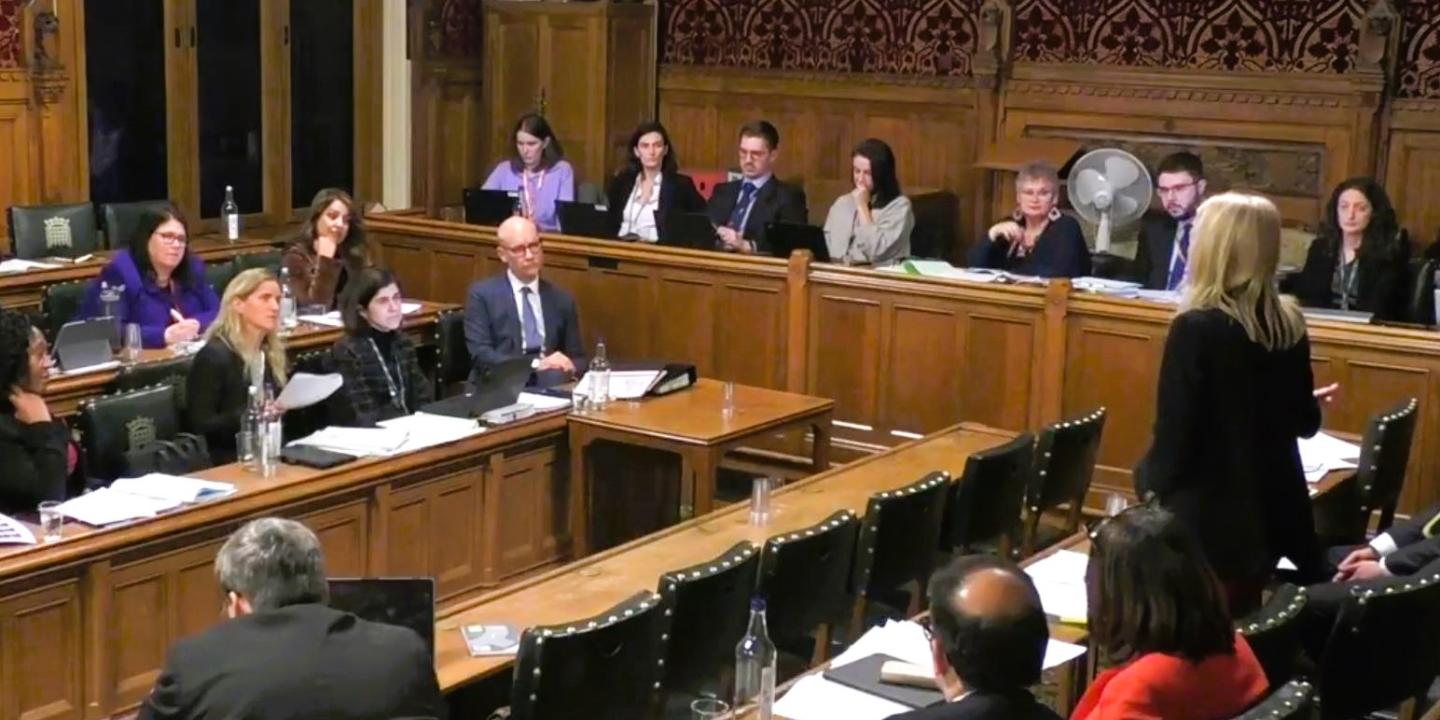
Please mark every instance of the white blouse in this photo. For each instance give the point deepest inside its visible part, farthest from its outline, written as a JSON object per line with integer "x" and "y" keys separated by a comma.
{"x": 639, "y": 217}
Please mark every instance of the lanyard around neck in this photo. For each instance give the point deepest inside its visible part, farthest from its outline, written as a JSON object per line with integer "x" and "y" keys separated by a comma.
{"x": 397, "y": 394}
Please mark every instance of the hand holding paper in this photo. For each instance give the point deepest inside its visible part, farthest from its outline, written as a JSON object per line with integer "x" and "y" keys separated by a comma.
{"x": 305, "y": 390}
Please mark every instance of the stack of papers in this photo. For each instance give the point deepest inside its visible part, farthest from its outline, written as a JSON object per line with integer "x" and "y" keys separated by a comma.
{"x": 624, "y": 384}
{"x": 424, "y": 430}
{"x": 174, "y": 488}
{"x": 17, "y": 265}
{"x": 108, "y": 506}
{"x": 1060, "y": 579}
{"x": 543, "y": 403}
{"x": 332, "y": 318}
{"x": 361, "y": 442}
{"x": 1323, "y": 453}
{"x": 14, "y": 532}
{"x": 1106, "y": 286}
{"x": 816, "y": 698}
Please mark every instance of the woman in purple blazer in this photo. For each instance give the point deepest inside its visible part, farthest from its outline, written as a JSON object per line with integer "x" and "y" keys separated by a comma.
{"x": 163, "y": 286}
{"x": 537, "y": 172}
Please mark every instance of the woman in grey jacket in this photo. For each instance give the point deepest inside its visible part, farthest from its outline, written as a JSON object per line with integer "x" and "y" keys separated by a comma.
{"x": 871, "y": 224}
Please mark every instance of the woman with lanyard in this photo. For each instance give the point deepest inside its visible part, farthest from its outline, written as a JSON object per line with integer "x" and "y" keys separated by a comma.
{"x": 377, "y": 361}
{"x": 650, "y": 187}
{"x": 537, "y": 173}
{"x": 1358, "y": 261}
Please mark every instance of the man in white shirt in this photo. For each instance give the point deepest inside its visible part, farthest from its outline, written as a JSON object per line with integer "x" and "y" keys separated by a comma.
{"x": 519, "y": 313}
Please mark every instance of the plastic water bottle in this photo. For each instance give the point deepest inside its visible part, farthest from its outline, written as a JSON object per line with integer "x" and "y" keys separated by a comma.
{"x": 288, "y": 316}
{"x": 755, "y": 665}
{"x": 230, "y": 215}
{"x": 599, "y": 378}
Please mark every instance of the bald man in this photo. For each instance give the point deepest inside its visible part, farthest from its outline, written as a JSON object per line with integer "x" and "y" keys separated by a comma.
{"x": 988, "y": 644}
{"x": 518, "y": 313}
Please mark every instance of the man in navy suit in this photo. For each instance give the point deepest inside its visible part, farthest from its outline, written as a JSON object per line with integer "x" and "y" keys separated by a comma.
{"x": 742, "y": 208}
{"x": 518, "y": 313}
{"x": 1165, "y": 237}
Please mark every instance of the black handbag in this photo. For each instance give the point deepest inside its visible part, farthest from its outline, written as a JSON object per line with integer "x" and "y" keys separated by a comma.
{"x": 184, "y": 454}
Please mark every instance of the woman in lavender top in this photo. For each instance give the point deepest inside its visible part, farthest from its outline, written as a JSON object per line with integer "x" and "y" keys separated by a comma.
{"x": 536, "y": 172}
{"x": 163, "y": 285}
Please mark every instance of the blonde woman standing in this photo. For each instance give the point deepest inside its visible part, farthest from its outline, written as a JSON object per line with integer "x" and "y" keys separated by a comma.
{"x": 243, "y": 344}
{"x": 1235, "y": 392}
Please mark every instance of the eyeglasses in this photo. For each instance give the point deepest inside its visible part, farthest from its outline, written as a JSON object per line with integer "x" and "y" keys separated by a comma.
{"x": 1174, "y": 189}
{"x": 527, "y": 248}
{"x": 172, "y": 238}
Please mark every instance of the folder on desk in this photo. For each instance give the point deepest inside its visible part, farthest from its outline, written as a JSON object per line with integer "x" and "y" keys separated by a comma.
{"x": 864, "y": 675}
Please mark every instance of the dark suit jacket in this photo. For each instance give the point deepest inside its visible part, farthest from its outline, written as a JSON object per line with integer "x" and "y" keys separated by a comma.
{"x": 1223, "y": 456}
{"x": 677, "y": 194}
{"x": 301, "y": 662}
{"x": 492, "y": 326}
{"x": 1417, "y": 541}
{"x": 776, "y": 201}
{"x": 217, "y": 389}
{"x": 1151, "y": 266}
{"x": 1380, "y": 280}
{"x": 1019, "y": 705}
{"x": 1060, "y": 251}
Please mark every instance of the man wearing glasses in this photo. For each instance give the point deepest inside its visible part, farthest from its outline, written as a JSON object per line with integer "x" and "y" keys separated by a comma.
{"x": 741, "y": 209}
{"x": 518, "y": 313}
{"x": 1165, "y": 238}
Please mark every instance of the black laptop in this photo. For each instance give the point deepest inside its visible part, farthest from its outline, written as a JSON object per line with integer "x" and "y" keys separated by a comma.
{"x": 585, "y": 220}
{"x": 488, "y": 207}
{"x": 785, "y": 238}
{"x": 499, "y": 386}
{"x": 407, "y": 602}
{"x": 688, "y": 230}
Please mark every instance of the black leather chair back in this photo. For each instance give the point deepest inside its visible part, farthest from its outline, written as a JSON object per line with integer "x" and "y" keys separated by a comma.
{"x": 113, "y": 425}
{"x": 1420, "y": 291}
{"x": 899, "y": 535}
{"x": 1064, "y": 465}
{"x": 171, "y": 371}
{"x": 1273, "y": 632}
{"x": 453, "y": 362}
{"x": 219, "y": 275}
{"x": 270, "y": 260}
{"x": 306, "y": 420}
{"x": 1342, "y": 516}
{"x": 805, "y": 575}
{"x": 606, "y": 666}
{"x": 123, "y": 219}
{"x": 1113, "y": 267}
{"x": 710, "y": 606}
{"x": 985, "y": 506}
{"x": 1295, "y": 700}
{"x": 1384, "y": 648}
{"x": 53, "y": 230}
{"x": 60, "y": 304}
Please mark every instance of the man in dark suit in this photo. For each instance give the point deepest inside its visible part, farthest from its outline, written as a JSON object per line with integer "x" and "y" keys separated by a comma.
{"x": 989, "y": 642}
{"x": 742, "y": 208}
{"x": 1165, "y": 237}
{"x": 518, "y": 313}
{"x": 283, "y": 653}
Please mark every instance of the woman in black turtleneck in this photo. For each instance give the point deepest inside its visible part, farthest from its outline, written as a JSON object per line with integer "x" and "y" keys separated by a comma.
{"x": 377, "y": 361}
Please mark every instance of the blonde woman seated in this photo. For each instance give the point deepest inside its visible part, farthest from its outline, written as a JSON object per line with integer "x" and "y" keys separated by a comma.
{"x": 871, "y": 224}
{"x": 1038, "y": 239}
{"x": 243, "y": 344}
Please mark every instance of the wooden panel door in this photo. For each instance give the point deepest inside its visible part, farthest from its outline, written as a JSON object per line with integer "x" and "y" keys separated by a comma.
{"x": 572, "y": 79}
{"x": 514, "y": 89}
{"x": 344, "y": 533}
{"x": 526, "y": 512}
{"x": 433, "y": 530}
{"x": 41, "y": 655}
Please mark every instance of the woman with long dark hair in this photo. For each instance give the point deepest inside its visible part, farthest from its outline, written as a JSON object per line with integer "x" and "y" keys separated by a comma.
{"x": 377, "y": 361}
{"x": 1359, "y": 259}
{"x": 35, "y": 454}
{"x": 871, "y": 224}
{"x": 650, "y": 187}
{"x": 328, "y": 250}
{"x": 537, "y": 172}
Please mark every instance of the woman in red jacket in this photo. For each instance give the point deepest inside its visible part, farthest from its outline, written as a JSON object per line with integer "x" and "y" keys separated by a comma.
{"x": 1158, "y": 616}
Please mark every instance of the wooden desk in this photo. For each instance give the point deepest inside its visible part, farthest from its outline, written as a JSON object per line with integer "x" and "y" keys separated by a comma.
{"x": 22, "y": 291}
{"x": 593, "y": 584}
{"x": 65, "y": 393}
{"x": 691, "y": 424}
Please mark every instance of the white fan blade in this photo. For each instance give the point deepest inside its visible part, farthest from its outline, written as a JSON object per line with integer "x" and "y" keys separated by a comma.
{"x": 1120, "y": 172}
{"x": 1125, "y": 206}
{"x": 1087, "y": 184}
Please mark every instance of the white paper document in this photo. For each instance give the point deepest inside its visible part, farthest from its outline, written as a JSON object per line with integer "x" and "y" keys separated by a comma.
{"x": 14, "y": 532}
{"x": 361, "y": 442}
{"x": 333, "y": 319}
{"x": 424, "y": 430}
{"x": 108, "y": 506}
{"x": 1060, "y": 579}
{"x": 543, "y": 403}
{"x": 304, "y": 390}
{"x": 1106, "y": 286}
{"x": 173, "y": 488}
{"x": 17, "y": 265}
{"x": 624, "y": 384}
{"x": 1323, "y": 453}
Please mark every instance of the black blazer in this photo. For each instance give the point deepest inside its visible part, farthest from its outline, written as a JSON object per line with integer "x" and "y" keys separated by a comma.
{"x": 492, "y": 326}
{"x": 1060, "y": 251}
{"x": 1380, "y": 279}
{"x": 1417, "y": 542}
{"x": 776, "y": 201}
{"x": 1223, "y": 457}
{"x": 677, "y": 194}
{"x": 1018, "y": 705}
{"x": 33, "y": 463}
{"x": 297, "y": 662}
{"x": 365, "y": 397}
{"x": 1151, "y": 267}
{"x": 217, "y": 389}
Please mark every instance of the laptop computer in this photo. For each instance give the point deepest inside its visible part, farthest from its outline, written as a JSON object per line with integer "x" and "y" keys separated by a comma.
{"x": 406, "y": 602}
{"x": 585, "y": 220}
{"x": 689, "y": 230}
{"x": 488, "y": 207}
{"x": 785, "y": 238}
{"x": 501, "y": 385}
{"x": 84, "y": 343}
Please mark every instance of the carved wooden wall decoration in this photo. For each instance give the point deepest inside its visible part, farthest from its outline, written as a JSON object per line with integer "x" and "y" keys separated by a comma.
{"x": 10, "y": 33}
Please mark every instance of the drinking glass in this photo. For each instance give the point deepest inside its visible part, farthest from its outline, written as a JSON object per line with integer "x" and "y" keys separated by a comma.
{"x": 727, "y": 407}
{"x": 51, "y": 520}
{"x": 760, "y": 501}
{"x": 133, "y": 344}
{"x": 709, "y": 709}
